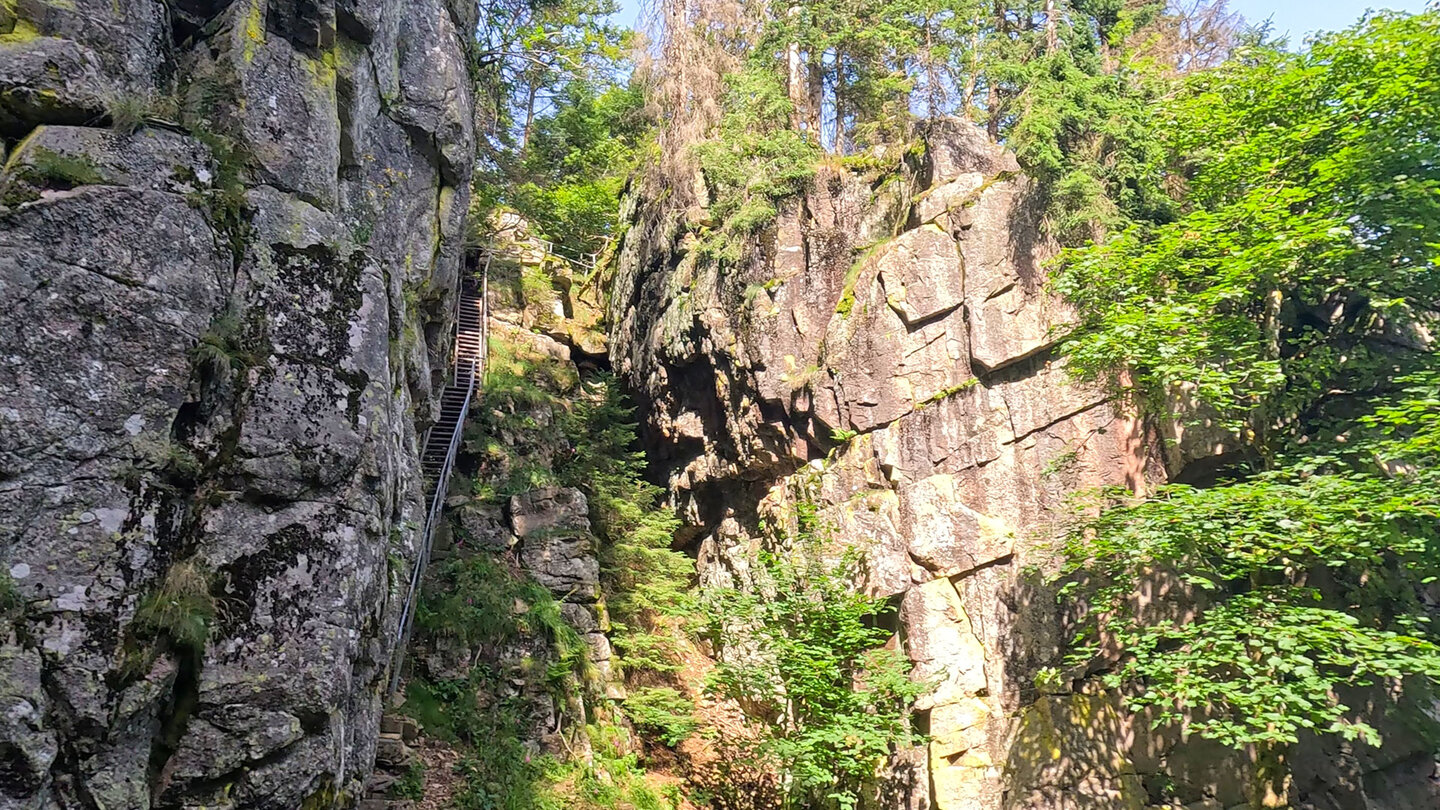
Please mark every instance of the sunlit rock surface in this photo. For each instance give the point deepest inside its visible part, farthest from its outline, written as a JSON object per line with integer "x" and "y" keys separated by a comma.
{"x": 886, "y": 352}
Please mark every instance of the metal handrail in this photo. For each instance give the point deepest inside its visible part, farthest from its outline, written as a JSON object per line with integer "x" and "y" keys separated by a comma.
{"x": 442, "y": 480}
{"x": 587, "y": 261}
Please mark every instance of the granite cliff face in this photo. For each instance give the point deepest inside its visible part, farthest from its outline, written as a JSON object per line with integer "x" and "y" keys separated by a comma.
{"x": 886, "y": 352}
{"x": 228, "y": 236}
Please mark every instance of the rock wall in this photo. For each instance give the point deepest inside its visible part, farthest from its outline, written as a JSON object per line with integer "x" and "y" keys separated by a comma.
{"x": 886, "y": 352}
{"x": 229, "y": 230}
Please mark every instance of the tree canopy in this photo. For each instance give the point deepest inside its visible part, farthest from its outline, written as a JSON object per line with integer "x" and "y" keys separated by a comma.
{"x": 1290, "y": 299}
{"x": 562, "y": 122}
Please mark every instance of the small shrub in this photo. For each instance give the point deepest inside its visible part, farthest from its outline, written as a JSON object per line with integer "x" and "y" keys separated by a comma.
{"x": 473, "y": 600}
{"x": 662, "y": 712}
{"x": 538, "y": 291}
{"x": 1061, "y": 462}
{"x": 219, "y": 348}
{"x": 412, "y": 784}
{"x": 11, "y": 602}
{"x": 225, "y": 200}
{"x": 129, "y": 113}
{"x": 181, "y": 609}
{"x": 755, "y": 161}
{"x": 826, "y": 703}
{"x": 802, "y": 378}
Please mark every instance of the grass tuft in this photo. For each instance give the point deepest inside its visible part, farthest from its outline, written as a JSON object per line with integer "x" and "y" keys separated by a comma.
{"x": 181, "y": 609}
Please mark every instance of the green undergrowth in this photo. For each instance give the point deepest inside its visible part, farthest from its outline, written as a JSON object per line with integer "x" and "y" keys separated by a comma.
{"x": 66, "y": 170}
{"x": 537, "y": 290}
{"x": 479, "y": 602}
{"x": 130, "y": 112}
{"x": 161, "y": 463}
{"x": 846, "y": 304}
{"x": 177, "y": 615}
{"x": 412, "y": 784}
{"x": 513, "y": 435}
{"x": 505, "y": 774}
{"x": 221, "y": 347}
{"x": 224, "y": 200}
{"x": 662, "y": 712}
{"x": 806, "y": 720}
{"x": 645, "y": 581}
{"x": 181, "y": 609}
{"x": 516, "y": 635}
{"x": 534, "y": 408}
{"x": 12, "y": 604}
{"x": 539, "y": 423}
{"x": 828, "y": 701}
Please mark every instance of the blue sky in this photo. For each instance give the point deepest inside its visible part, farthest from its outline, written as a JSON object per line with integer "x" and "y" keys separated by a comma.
{"x": 1301, "y": 17}
{"x": 1296, "y": 18}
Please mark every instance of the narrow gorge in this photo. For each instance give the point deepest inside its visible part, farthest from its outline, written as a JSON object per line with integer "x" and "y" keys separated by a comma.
{"x": 895, "y": 406}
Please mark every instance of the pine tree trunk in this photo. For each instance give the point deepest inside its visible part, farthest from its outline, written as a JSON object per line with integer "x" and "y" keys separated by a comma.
{"x": 529, "y": 115}
{"x": 967, "y": 96}
{"x": 796, "y": 79}
{"x": 816, "y": 102}
{"x": 839, "y": 106}
{"x": 1052, "y": 38}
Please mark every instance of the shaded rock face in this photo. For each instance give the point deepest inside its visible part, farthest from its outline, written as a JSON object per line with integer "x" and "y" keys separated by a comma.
{"x": 886, "y": 353}
{"x": 557, "y": 549}
{"x": 213, "y": 358}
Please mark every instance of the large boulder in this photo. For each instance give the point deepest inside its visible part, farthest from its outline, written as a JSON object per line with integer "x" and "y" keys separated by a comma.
{"x": 104, "y": 292}
{"x": 556, "y": 546}
{"x": 51, "y": 80}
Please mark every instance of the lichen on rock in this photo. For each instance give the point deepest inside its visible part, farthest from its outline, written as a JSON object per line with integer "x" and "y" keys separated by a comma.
{"x": 197, "y": 370}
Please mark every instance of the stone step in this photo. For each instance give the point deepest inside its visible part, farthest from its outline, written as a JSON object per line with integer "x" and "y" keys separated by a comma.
{"x": 406, "y": 727}
{"x": 392, "y": 753}
{"x": 377, "y": 800}
{"x": 380, "y": 782}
